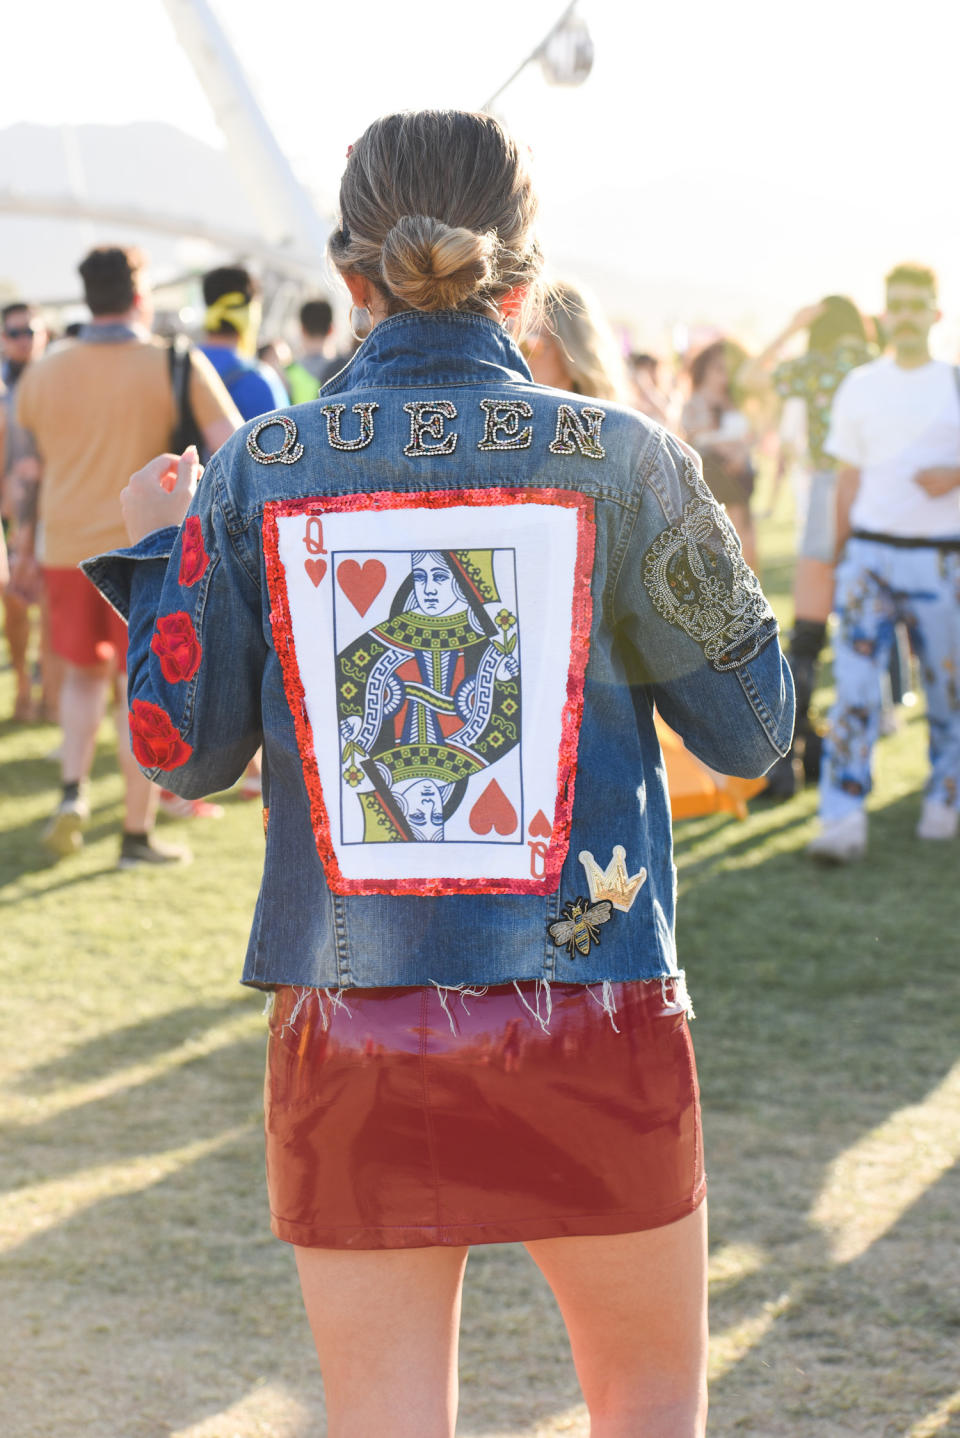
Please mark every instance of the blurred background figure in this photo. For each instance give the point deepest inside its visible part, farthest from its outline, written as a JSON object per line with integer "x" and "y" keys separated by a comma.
{"x": 575, "y": 348}
{"x": 648, "y": 396}
{"x": 714, "y": 423}
{"x": 318, "y": 359}
{"x": 230, "y": 330}
{"x": 97, "y": 407}
{"x": 23, "y": 338}
{"x": 895, "y": 431}
{"x": 279, "y": 356}
{"x": 231, "y": 326}
{"x": 837, "y": 342}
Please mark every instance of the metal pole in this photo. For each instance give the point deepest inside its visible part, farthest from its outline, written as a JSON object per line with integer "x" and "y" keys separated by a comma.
{"x": 488, "y": 105}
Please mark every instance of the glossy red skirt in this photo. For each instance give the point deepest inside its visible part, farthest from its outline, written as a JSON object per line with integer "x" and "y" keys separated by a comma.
{"x": 400, "y": 1119}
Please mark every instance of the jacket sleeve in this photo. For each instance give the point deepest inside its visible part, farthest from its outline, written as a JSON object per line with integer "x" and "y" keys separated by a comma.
{"x": 191, "y": 598}
{"x": 694, "y": 625}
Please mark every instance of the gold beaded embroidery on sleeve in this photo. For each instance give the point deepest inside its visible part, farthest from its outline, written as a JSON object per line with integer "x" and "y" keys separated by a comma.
{"x": 698, "y": 580}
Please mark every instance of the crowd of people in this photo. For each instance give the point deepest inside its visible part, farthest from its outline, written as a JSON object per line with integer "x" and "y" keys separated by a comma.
{"x": 852, "y": 408}
{"x": 77, "y": 415}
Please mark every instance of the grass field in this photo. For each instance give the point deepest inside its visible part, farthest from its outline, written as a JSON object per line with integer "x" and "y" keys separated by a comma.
{"x": 143, "y": 1296}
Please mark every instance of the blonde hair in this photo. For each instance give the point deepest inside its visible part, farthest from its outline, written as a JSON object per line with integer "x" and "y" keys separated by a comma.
{"x": 586, "y": 342}
{"x": 437, "y": 209}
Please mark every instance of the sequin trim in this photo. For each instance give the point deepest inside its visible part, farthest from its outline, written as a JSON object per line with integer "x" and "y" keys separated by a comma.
{"x": 288, "y": 453}
{"x": 698, "y": 580}
{"x": 505, "y": 415}
{"x": 579, "y": 432}
{"x": 420, "y": 425}
{"x": 581, "y": 619}
{"x": 365, "y": 410}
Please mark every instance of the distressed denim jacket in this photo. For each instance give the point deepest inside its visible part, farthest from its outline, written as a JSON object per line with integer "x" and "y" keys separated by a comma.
{"x": 446, "y": 600}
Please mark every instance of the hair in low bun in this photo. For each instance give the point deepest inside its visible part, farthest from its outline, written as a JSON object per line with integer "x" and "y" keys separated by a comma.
{"x": 437, "y": 209}
{"x": 432, "y": 266}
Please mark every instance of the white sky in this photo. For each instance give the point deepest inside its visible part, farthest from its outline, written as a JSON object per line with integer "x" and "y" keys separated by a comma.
{"x": 726, "y": 162}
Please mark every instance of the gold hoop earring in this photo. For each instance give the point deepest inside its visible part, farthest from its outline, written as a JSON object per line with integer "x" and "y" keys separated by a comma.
{"x": 364, "y": 325}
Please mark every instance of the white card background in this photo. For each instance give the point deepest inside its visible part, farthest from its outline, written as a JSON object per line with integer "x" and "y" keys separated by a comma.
{"x": 534, "y": 565}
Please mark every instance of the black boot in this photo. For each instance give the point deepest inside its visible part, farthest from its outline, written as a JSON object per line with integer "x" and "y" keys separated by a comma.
{"x": 802, "y": 763}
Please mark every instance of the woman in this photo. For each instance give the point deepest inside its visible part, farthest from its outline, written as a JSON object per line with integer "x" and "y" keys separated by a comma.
{"x": 481, "y": 1038}
{"x": 574, "y": 348}
{"x": 716, "y": 428}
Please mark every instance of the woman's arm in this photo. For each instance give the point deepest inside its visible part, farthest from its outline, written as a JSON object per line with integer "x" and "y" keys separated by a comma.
{"x": 191, "y": 596}
{"x": 696, "y": 628}
{"x": 754, "y": 374}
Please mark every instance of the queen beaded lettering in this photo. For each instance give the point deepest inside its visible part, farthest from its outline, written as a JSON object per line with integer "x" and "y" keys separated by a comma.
{"x": 501, "y": 428}
{"x": 333, "y": 414}
{"x": 290, "y": 450}
{"x": 426, "y": 418}
{"x": 579, "y": 431}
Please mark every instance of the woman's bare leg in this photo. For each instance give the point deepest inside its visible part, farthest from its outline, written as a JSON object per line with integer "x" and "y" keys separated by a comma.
{"x": 386, "y": 1324}
{"x": 813, "y": 583}
{"x": 635, "y": 1306}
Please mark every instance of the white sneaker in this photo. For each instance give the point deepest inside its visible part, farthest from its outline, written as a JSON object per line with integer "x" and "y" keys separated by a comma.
{"x": 842, "y": 840}
{"x": 938, "y": 821}
{"x": 64, "y": 832}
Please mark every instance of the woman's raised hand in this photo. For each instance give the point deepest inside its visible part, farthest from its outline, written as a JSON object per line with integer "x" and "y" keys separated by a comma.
{"x": 159, "y": 494}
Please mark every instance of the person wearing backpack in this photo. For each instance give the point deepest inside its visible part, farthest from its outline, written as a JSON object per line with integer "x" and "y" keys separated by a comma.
{"x": 319, "y": 360}
{"x": 95, "y": 407}
{"x": 232, "y": 297}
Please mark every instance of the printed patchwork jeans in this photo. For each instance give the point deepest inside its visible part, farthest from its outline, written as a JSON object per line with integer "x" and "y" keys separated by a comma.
{"x": 879, "y": 585}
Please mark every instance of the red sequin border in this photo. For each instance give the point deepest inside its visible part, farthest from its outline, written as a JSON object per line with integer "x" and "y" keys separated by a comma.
{"x": 581, "y": 619}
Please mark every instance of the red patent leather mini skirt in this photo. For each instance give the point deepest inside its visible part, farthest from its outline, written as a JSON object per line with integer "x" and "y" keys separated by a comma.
{"x": 411, "y": 1117}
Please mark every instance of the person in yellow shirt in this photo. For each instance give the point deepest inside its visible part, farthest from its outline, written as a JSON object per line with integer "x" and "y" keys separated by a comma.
{"x": 97, "y": 408}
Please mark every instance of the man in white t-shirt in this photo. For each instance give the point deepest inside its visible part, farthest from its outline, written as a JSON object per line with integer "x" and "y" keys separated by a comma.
{"x": 895, "y": 430}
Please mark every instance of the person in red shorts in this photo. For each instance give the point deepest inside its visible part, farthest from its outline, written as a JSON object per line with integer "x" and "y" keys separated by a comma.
{"x": 97, "y": 408}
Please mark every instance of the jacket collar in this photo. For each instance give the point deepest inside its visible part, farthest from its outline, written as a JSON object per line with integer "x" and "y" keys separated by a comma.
{"x": 441, "y": 348}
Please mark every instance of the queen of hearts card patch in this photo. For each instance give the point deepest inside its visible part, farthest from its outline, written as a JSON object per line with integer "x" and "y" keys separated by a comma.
{"x": 433, "y": 647}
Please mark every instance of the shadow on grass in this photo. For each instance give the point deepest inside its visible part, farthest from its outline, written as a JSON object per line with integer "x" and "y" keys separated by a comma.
{"x": 132, "y": 1044}
{"x": 827, "y": 1000}
{"x": 821, "y": 1014}
{"x": 21, "y": 845}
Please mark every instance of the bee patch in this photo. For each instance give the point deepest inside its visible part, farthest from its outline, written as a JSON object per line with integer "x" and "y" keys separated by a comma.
{"x": 579, "y": 928}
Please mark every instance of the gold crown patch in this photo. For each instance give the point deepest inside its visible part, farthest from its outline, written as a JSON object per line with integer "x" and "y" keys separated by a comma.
{"x": 613, "y": 882}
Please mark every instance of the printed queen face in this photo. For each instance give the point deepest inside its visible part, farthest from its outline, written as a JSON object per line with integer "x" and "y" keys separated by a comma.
{"x": 434, "y": 586}
{"x": 420, "y": 638}
{"x": 429, "y": 697}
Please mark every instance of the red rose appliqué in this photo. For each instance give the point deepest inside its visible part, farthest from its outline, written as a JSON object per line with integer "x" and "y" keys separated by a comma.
{"x": 193, "y": 556}
{"x": 176, "y": 645}
{"x": 154, "y": 738}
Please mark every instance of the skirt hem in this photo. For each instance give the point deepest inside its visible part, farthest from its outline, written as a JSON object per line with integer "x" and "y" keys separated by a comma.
{"x": 458, "y": 1235}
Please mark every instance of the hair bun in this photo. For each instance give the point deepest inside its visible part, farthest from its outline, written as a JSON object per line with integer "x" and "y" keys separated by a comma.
{"x": 432, "y": 266}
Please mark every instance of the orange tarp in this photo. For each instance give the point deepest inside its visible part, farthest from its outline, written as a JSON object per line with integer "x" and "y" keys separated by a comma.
{"x": 695, "y": 789}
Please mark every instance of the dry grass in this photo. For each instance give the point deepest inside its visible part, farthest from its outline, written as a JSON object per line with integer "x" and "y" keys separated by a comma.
{"x": 143, "y": 1296}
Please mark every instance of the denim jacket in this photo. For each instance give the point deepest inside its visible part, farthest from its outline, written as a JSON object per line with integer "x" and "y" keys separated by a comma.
{"x": 445, "y": 600}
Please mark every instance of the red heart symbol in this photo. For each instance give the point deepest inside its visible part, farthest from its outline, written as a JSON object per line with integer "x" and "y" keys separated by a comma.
{"x": 540, "y": 826}
{"x": 493, "y": 810}
{"x": 361, "y": 583}
{"x": 316, "y": 568}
